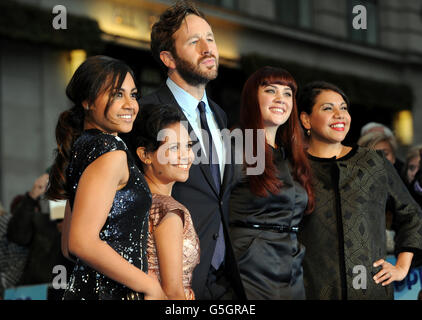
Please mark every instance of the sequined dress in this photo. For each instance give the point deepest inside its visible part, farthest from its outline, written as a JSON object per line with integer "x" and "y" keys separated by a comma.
{"x": 126, "y": 227}
{"x": 161, "y": 205}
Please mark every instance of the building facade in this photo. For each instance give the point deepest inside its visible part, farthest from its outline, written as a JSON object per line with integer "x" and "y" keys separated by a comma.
{"x": 372, "y": 49}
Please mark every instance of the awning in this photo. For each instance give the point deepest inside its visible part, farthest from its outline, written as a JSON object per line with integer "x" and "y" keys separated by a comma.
{"x": 33, "y": 24}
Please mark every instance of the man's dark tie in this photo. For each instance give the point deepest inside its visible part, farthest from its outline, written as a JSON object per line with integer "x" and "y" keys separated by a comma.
{"x": 212, "y": 155}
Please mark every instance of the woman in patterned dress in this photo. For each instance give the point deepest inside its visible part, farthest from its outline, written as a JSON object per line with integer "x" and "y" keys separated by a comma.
{"x": 163, "y": 146}
{"x": 108, "y": 198}
{"x": 345, "y": 235}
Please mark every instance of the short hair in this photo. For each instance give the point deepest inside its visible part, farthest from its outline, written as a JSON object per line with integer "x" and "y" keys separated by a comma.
{"x": 371, "y": 139}
{"x": 150, "y": 120}
{"x": 309, "y": 93}
{"x": 371, "y": 125}
{"x": 168, "y": 23}
{"x": 414, "y": 152}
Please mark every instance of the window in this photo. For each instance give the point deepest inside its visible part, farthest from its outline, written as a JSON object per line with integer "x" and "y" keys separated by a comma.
{"x": 305, "y": 13}
{"x": 370, "y": 35}
{"x": 294, "y": 12}
{"x": 229, "y": 4}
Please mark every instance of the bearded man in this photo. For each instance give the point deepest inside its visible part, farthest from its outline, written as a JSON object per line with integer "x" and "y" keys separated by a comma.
{"x": 182, "y": 41}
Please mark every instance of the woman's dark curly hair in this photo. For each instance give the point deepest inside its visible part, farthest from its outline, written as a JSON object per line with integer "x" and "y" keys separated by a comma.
{"x": 150, "y": 121}
{"x": 96, "y": 75}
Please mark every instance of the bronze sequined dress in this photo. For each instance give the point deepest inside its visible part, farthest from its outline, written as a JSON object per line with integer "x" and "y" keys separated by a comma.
{"x": 161, "y": 205}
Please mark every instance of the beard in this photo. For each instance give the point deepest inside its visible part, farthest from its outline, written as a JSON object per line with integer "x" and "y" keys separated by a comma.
{"x": 192, "y": 73}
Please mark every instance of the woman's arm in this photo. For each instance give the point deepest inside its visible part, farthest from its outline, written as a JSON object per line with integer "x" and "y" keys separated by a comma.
{"x": 390, "y": 273}
{"x": 169, "y": 241}
{"x": 408, "y": 221}
{"x": 407, "y": 213}
{"x": 93, "y": 200}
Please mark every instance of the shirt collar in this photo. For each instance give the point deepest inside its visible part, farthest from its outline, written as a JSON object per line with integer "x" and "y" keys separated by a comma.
{"x": 186, "y": 101}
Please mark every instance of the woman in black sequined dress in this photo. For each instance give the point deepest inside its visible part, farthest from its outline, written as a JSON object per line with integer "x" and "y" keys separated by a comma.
{"x": 106, "y": 220}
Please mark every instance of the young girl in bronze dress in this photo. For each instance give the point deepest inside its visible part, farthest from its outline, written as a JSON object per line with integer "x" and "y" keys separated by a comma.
{"x": 106, "y": 219}
{"x": 163, "y": 146}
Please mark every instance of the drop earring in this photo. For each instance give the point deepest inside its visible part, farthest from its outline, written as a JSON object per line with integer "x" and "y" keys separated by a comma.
{"x": 308, "y": 132}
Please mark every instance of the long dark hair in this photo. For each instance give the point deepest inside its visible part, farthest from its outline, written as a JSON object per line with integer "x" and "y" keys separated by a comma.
{"x": 150, "y": 121}
{"x": 289, "y": 135}
{"x": 98, "y": 74}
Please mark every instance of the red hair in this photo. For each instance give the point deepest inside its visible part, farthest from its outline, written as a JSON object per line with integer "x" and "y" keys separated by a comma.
{"x": 289, "y": 135}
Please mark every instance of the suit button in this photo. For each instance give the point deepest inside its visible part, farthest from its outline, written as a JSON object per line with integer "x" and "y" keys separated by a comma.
{"x": 215, "y": 236}
{"x": 221, "y": 203}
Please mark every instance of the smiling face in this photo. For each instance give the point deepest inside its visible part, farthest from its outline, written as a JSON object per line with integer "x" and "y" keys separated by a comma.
{"x": 172, "y": 160}
{"x": 330, "y": 120}
{"x": 196, "y": 54}
{"x": 275, "y": 103}
{"x": 122, "y": 110}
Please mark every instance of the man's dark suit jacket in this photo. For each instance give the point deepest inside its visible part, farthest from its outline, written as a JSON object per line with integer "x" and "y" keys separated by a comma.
{"x": 200, "y": 197}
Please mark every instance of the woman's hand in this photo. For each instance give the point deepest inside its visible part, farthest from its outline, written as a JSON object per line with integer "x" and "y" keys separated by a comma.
{"x": 156, "y": 292}
{"x": 39, "y": 187}
{"x": 389, "y": 273}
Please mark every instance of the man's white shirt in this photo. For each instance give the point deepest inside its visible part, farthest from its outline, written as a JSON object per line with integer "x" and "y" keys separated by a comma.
{"x": 189, "y": 106}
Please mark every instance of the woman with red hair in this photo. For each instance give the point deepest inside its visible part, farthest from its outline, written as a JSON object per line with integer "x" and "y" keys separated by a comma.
{"x": 266, "y": 209}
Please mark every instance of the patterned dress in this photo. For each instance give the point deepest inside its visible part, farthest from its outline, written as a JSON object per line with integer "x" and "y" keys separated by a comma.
{"x": 126, "y": 227}
{"x": 161, "y": 205}
{"x": 346, "y": 231}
